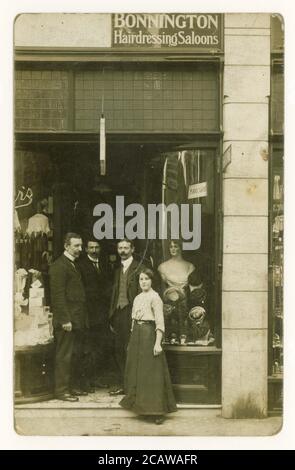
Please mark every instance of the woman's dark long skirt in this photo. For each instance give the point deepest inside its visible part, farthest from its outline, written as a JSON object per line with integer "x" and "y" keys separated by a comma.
{"x": 147, "y": 381}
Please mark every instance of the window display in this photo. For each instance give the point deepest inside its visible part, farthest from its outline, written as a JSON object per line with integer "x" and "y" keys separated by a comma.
{"x": 276, "y": 334}
{"x": 277, "y": 275}
{"x": 187, "y": 177}
{"x": 33, "y": 253}
{"x": 33, "y": 320}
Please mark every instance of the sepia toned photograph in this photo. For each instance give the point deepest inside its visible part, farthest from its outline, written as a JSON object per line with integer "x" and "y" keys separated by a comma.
{"x": 148, "y": 224}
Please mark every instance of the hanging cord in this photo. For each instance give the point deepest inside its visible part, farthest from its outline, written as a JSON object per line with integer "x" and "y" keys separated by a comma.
{"x": 102, "y": 98}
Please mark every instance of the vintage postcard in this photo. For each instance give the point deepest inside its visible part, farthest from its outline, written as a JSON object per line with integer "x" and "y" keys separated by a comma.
{"x": 148, "y": 224}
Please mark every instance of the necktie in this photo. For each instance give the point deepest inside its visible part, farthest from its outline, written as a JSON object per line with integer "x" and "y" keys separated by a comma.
{"x": 96, "y": 265}
{"x": 73, "y": 264}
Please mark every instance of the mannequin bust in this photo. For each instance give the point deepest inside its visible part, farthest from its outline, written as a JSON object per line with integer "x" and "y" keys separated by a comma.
{"x": 175, "y": 271}
{"x": 174, "y": 274}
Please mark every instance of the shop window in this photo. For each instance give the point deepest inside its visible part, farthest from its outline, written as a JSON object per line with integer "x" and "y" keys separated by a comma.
{"x": 188, "y": 178}
{"x": 141, "y": 100}
{"x": 41, "y": 99}
{"x": 165, "y": 100}
{"x": 276, "y": 362}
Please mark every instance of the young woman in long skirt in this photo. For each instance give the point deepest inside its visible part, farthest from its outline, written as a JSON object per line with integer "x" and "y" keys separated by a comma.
{"x": 147, "y": 381}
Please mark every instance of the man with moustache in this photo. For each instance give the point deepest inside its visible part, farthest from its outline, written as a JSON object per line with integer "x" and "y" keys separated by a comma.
{"x": 96, "y": 284}
{"x": 125, "y": 289}
{"x": 70, "y": 320}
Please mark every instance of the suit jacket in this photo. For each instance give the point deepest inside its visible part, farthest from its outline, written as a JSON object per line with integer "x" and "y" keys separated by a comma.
{"x": 68, "y": 300}
{"x": 96, "y": 285}
{"x": 133, "y": 288}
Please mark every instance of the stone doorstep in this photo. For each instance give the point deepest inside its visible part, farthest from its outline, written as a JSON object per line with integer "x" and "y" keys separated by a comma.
{"x": 58, "y": 405}
{"x": 100, "y": 404}
{"x": 118, "y": 412}
{"x": 100, "y": 400}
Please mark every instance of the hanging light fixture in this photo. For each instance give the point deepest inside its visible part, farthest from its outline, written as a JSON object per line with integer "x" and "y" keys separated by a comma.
{"x": 102, "y": 145}
{"x": 102, "y": 134}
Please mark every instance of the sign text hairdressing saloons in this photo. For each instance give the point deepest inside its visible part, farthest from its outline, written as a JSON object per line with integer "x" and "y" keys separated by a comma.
{"x": 158, "y": 31}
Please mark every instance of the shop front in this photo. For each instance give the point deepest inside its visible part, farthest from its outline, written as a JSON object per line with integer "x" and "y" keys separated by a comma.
{"x": 158, "y": 109}
{"x": 162, "y": 118}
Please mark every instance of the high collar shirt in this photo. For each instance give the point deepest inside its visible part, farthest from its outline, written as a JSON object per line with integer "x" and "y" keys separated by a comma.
{"x": 70, "y": 257}
{"x": 126, "y": 263}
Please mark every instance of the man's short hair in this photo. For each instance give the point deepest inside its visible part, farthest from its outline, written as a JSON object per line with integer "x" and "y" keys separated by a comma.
{"x": 127, "y": 241}
{"x": 92, "y": 239}
{"x": 69, "y": 236}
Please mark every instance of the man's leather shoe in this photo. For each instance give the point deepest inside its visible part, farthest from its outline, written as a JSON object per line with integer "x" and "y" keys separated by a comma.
{"x": 79, "y": 393}
{"x": 118, "y": 391}
{"x": 89, "y": 389}
{"x": 113, "y": 388}
{"x": 67, "y": 397}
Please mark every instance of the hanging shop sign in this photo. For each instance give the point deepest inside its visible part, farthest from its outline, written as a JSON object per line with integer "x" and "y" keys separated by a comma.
{"x": 197, "y": 190}
{"x": 158, "y": 31}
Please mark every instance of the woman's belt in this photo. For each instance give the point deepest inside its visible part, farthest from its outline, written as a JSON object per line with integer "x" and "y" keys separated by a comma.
{"x": 141, "y": 322}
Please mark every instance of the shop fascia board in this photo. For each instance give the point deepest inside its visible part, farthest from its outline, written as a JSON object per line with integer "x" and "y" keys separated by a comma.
{"x": 193, "y": 139}
{"x": 27, "y": 54}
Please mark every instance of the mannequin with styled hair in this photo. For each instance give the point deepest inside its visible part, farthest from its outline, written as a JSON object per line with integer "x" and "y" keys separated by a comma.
{"x": 175, "y": 271}
{"x": 174, "y": 274}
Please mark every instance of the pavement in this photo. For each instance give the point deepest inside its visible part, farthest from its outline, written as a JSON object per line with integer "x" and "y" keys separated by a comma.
{"x": 98, "y": 414}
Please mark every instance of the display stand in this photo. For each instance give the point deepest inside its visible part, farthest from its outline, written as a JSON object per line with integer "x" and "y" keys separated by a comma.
{"x": 195, "y": 373}
{"x": 34, "y": 373}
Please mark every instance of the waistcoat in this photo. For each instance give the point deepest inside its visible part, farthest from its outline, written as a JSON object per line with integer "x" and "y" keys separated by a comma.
{"x": 122, "y": 297}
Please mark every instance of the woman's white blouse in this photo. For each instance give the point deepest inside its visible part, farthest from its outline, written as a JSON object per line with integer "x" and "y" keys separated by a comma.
{"x": 149, "y": 306}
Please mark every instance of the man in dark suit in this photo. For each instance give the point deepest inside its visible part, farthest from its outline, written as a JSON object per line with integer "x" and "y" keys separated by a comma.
{"x": 96, "y": 284}
{"x": 68, "y": 304}
{"x": 125, "y": 289}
